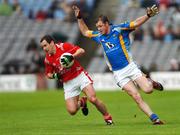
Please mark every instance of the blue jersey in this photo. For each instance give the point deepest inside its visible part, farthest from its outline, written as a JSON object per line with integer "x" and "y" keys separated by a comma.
{"x": 116, "y": 44}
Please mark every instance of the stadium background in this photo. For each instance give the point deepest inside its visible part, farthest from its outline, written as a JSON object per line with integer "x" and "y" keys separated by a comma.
{"x": 156, "y": 49}
{"x": 23, "y": 22}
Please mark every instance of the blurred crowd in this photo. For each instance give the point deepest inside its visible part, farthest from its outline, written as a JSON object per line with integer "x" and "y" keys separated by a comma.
{"x": 146, "y": 3}
{"x": 45, "y": 9}
{"x": 165, "y": 30}
{"x": 32, "y": 63}
{"x": 174, "y": 67}
{"x": 39, "y": 10}
{"x": 167, "y": 26}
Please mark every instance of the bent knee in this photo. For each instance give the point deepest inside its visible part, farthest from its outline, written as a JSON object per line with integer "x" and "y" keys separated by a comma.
{"x": 93, "y": 99}
{"x": 148, "y": 89}
{"x": 72, "y": 111}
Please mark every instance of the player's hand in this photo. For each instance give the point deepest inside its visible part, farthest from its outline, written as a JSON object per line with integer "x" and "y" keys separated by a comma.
{"x": 152, "y": 11}
{"x": 56, "y": 76}
{"x": 66, "y": 59}
{"x": 69, "y": 57}
{"x": 64, "y": 62}
{"x": 77, "y": 12}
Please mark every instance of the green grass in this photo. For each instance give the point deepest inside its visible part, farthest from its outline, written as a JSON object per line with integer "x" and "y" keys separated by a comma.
{"x": 44, "y": 113}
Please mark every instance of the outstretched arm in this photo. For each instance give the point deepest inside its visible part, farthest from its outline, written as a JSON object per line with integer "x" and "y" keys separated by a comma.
{"x": 82, "y": 25}
{"x": 150, "y": 12}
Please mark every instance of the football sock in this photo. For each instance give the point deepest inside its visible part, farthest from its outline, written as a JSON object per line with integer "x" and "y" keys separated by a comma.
{"x": 107, "y": 116}
{"x": 154, "y": 117}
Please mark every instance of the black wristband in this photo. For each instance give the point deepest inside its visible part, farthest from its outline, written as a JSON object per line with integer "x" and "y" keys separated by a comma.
{"x": 148, "y": 15}
{"x": 79, "y": 16}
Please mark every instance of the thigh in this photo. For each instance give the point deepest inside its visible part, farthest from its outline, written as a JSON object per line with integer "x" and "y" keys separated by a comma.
{"x": 89, "y": 91}
{"x": 72, "y": 103}
{"x": 142, "y": 82}
{"x": 130, "y": 88}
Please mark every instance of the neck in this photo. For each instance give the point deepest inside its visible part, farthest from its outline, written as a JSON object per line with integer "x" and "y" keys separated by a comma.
{"x": 53, "y": 50}
{"x": 109, "y": 29}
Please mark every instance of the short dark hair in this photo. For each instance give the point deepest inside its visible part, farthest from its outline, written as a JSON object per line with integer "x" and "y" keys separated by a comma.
{"x": 103, "y": 18}
{"x": 48, "y": 38}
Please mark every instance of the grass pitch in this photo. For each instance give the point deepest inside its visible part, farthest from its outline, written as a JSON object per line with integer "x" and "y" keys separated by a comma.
{"x": 44, "y": 113}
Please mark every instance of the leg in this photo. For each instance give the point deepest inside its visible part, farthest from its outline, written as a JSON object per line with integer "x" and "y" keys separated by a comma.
{"x": 72, "y": 105}
{"x": 83, "y": 104}
{"x": 90, "y": 92}
{"x": 131, "y": 90}
{"x": 144, "y": 84}
{"x": 156, "y": 85}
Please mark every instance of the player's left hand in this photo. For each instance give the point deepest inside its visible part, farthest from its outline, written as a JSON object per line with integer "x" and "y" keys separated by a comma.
{"x": 152, "y": 11}
{"x": 77, "y": 12}
{"x": 56, "y": 76}
{"x": 66, "y": 60}
{"x": 69, "y": 57}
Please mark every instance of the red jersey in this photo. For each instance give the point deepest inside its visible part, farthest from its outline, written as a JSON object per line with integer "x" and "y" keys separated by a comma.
{"x": 52, "y": 62}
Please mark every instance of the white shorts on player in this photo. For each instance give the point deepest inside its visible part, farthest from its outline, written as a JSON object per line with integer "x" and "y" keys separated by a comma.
{"x": 123, "y": 76}
{"x": 74, "y": 87}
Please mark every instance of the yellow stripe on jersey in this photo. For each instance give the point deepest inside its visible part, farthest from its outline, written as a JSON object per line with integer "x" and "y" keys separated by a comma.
{"x": 131, "y": 25}
{"x": 90, "y": 34}
{"x": 126, "y": 28}
{"x": 124, "y": 47}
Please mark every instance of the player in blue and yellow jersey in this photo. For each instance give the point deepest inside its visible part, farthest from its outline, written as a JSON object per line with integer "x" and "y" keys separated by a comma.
{"x": 116, "y": 45}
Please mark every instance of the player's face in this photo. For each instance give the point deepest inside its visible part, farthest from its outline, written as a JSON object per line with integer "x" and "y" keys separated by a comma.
{"x": 48, "y": 48}
{"x": 103, "y": 28}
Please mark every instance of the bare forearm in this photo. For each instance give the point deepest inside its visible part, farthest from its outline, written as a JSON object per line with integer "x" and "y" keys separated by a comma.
{"x": 49, "y": 75}
{"x": 78, "y": 53}
{"x": 82, "y": 26}
{"x": 141, "y": 20}
{"x": 53, "y": 76}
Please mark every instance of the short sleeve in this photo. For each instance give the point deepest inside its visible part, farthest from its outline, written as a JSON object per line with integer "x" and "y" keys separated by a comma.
{"x": 127, "y": 25}
{"x": 94, "y": 35}
{"x": 70, "y": 48}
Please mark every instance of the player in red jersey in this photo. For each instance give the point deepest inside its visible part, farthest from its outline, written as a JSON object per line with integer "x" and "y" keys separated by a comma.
{"x": 75, "y": 79}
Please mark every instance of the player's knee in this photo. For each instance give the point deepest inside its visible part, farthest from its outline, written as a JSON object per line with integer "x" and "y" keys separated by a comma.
{"x": 72, "y": 111}
{"x": 148, "y": 89}
{"x": 93, "y": 99}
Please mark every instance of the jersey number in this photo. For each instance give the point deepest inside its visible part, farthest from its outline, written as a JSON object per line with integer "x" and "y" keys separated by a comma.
{"x": 109, "y": 45}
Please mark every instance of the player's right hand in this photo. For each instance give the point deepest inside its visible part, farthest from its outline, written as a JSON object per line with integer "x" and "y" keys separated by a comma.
{"x": 70, "y": 58}
{"x": 77, "y": 12}
{"x": 56, "y": 76}
{"x": 152, "y": 11}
